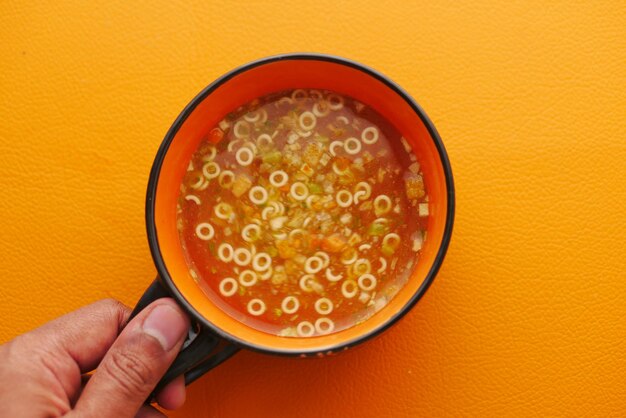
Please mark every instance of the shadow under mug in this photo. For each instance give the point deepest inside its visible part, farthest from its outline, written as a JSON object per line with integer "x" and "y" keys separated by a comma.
{"x": 215, "y": 336}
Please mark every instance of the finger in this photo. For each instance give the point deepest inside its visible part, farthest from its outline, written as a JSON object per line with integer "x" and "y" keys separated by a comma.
{"x": 173, "y": 395}
{"x": 149, "y": 412}
{"x": 85, "y": 335}
{"x": 136, "y": 361}
{"x": 72, "y": 344}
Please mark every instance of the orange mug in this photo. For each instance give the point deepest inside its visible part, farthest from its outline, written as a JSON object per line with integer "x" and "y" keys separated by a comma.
{"x": 215, "y": 336}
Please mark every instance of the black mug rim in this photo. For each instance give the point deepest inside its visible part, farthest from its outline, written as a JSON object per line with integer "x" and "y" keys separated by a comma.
{"x": 182, "y": 117}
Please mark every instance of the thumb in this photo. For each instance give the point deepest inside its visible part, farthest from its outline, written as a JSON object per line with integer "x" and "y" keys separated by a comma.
{"x": 136, "y": 362}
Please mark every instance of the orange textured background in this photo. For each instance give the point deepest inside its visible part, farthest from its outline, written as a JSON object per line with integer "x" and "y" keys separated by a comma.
{"x": 528, "y": 314}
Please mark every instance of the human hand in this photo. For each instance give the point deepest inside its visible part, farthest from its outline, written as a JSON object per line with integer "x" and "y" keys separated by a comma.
{"x": 42, "y": 373}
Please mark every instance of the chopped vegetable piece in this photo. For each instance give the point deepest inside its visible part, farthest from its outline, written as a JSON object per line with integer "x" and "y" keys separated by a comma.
{"x": 241, "y": 185}
{"x": 315, "y": 188}
{"x": 415, "y": 167}
{"x": 272, "y": 157}
{"x": 377, "y": 229}
{"x": 307, "y": 169}
{"x": 216, "y": 135}
{"x": 285, "y": 249}
{"x": 334, "y": 243}
{"x": 312, "y": 154}
{"x": 414, "y": 187}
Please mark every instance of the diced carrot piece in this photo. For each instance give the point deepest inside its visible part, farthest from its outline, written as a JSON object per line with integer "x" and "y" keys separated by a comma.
{"x": 334, "y": 243}
{"x": 285, "y": 249}
{"x": 216, "y": 135}
{"x": 314, "y": 242}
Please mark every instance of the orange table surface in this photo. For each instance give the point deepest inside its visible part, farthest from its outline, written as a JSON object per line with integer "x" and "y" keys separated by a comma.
{"x": 528, "y": 314}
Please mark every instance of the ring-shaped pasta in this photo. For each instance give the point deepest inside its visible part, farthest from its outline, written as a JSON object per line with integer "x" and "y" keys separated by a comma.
{"x": 199, "y": 180}
{"x": 242, "y": 256}
{"x": 315, "y": 95}
{"x": 241, "y": 129}
{"x": 333, "y": 145}
{"x": 360, "y": 195}
{"x": 233, "y": 144}
{"x": 225, "y": 252}
{"x": 267, "y": 212}
{"x": 278, "y": 178}
{"x": 363, "y": 187}
{"x": 266, "y": 274}
{"x": 324, "y": 256}
{"x": 228, "y": 286}
{"x": 361, "y": 266}
{"x": 321, "y": 109}
{"x": 226, "y": 179}
{"x": 211, "y": 155}
{"x": 313, "y": 265}
{"x": 223, "y": 210}
{"x": 251, "y": 232}
{"x": 343, "y": 120}
{"x": 349, "y": 289}
{"x": 382, "y": 204}
{"x": 244, "y": 156}
{"x": 299, "y": 191}
{"x": 256, "y": 307}
{"x": 305, "y": 282}
{"x": 383, "y": 265}
{"x": 193, "y": 198}
{"x": 349, "y": 260}
{"x": 392, "y": 240}
{"x": 248, "y": 278}
{"x": 205, "y": 184}
{"x": 335, "y": 102}
{"x": 367, "y": 282}
{"x": 290, "y": 305}
{"x": 311, "y": 200}
{"x": 333, "y": 277}
{"x": 324, "y": 306}
{"x": 305, "y": 329}
{"x": 258, "y": 195}
{"x": 252, "y": 116}
{"x": 264, "y": 141}
{"x": 205, "y": 231}
{"x": 324, "y": 326}
{"x": 307, "y": 121}
{"x": 261, "y": 261}
{"x": 340, "y": 171}
{"x": 352, "y": 146}
{"x": 344, "y": 198}
{"x": 211, "y": 170}
{"x": 299, "y": 95}
{"x": 369, "y": 135}
{"x": 285, "y": 101}
{"x": 303, "y": 134}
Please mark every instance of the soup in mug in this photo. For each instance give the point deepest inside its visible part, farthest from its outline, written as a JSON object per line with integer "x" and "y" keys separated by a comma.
{"x": 302, "y": 213}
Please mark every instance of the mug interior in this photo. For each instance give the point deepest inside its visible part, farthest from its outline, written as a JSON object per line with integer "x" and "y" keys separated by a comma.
{"x": 258, "y": 79}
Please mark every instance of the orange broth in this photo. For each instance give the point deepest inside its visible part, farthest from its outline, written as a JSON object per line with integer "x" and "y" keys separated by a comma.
{"x": 302, "y": 213}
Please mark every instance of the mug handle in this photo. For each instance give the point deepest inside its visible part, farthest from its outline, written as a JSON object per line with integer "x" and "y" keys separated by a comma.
{"x": 201, "y": 351}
